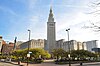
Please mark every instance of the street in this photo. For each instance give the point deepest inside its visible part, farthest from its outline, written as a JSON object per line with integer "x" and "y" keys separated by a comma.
{"x": 49, "y": 64}
{"x": 52, "y": 64}
{"x": 7, "y": 64}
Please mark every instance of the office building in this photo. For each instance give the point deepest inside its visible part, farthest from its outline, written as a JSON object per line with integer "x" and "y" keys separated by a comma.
{"x": 33, "y": 44}
{"x": 51, "y": 36}
{"x": 59, "y": 43}
{"x": 73, "y": 45}
{"x": 7, "y": 48}
{"x": 91, "y": 44}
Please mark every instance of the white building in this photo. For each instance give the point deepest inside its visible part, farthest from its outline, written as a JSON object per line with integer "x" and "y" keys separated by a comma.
{"x": 19, "y": 42}
{"x": 73, "y": 45}
{"x": 33, "y": 44}
{"x": 84, "y": 46}
{"x": 51, "y": 36}
{"x": 91, "y": 44}
{"x": 59, "y": 43}
{"x": 17, "y": 45}
{"x": 79, "y": 45}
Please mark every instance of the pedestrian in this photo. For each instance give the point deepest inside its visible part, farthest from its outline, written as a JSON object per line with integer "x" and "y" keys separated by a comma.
{"x": 81, "y": 64}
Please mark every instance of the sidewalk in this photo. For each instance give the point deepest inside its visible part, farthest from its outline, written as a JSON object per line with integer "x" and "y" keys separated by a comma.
{"x": 44, "y": 64}
{"x": 41, "y": 64}
{"x": 21, "y": 64}
{"x": 53, "y": 64}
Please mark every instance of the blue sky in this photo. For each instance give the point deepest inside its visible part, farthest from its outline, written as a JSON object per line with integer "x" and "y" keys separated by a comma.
{"x": 17, "y": 16}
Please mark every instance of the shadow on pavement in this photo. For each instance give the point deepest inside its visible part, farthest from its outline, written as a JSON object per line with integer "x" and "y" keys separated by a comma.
{"x": 89, "y": 64}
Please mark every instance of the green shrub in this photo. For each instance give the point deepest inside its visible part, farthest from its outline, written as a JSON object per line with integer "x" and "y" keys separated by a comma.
{"x": 37, "y": 61}
{"x": 61, "y": 61}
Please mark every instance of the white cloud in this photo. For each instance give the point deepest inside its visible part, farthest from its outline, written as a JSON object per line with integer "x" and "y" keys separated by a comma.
{"x": 8, "y": 10}
{"x": 29, "y": 3}
{"x": 69, "y": 21}
{"x": 33, "y": 20}
{"x": 38, "y": 29}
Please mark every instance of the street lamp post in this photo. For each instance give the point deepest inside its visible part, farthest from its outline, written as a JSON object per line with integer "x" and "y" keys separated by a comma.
{"x": 68, "y": 46}
{"x": 15, "y": 43}
{"x": 28, "y": 47}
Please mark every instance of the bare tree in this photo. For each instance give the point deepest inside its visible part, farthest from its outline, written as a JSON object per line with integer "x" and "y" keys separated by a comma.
{"x": 95, "y": 25}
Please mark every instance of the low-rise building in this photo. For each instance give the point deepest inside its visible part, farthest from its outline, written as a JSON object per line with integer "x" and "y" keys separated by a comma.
{"x": 91, "y": 44}
{"x": 72, "y": 45}
{"x": 7, "y": 48}
{"x": 59, "y": 43}
{"x": 33, "y": 44}
{"x": 18, "y": 43}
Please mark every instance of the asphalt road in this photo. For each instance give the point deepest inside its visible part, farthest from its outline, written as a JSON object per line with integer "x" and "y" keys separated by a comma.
{"x": 50, "y": 64}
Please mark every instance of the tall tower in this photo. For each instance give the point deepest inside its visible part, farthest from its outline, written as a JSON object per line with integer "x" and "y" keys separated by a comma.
{"x": 51, "y": 36}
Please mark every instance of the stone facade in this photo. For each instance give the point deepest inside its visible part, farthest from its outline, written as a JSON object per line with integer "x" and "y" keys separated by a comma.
{"x": 51, "y": 36}
{"x": 91, "y": 44}
{"x": 7, "y": 48}
{"x": 73, "y": 44}
{"x": 33, "y": 44}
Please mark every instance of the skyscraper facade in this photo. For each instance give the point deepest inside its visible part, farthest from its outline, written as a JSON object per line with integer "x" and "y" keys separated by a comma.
{"x": 51, "y": 36}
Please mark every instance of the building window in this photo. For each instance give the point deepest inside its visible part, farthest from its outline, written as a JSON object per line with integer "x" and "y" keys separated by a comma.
{"x": 51, "y": 24}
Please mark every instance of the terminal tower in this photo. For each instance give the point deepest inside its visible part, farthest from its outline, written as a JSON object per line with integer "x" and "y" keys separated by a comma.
{"x": 51, "y": 35}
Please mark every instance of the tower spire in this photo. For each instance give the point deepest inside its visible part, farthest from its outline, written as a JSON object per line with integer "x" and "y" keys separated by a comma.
{"x": 50, "y": 9}
{"x": 51, "y": 19}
